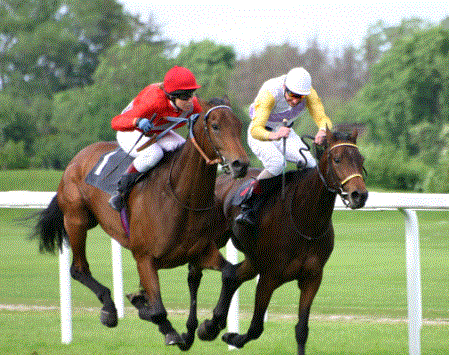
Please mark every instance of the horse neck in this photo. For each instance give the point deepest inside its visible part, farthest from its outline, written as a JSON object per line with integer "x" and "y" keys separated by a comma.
{"x": 312, "y": 202}
{"x": 192, "y": 179}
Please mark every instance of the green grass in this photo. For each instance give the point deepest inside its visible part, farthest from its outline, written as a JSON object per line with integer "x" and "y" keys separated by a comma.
{"x": 364, "y": 284}
{"x": 32, "y": 180}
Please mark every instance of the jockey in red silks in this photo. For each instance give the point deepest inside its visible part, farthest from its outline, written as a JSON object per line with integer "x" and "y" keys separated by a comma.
{"x": 146, "y": 114}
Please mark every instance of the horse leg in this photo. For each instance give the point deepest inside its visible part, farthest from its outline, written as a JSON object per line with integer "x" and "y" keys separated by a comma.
{"x": 155, "y": 311}
{"x": 309, "y": 289}
{"x": 232, "y": 277}
{"x": 193, "y": 279}
{"x": 265, "y": 288}
{"x": 77, "y": 232}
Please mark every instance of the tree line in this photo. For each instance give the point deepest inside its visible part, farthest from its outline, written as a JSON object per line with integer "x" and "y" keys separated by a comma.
{"x": 68, "y": 66}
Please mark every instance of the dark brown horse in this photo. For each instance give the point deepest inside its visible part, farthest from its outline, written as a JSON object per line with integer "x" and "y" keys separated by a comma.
{"x": 294, "y": 239}
{"x": 169, "y": 214}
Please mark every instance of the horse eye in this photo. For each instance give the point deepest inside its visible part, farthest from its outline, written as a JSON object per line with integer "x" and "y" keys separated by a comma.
{"x": 337, "y": 160}
{"x": 215, "y": 126}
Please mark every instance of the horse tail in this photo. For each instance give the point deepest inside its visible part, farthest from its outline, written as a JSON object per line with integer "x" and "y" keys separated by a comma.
{"x": 49, "y": 228}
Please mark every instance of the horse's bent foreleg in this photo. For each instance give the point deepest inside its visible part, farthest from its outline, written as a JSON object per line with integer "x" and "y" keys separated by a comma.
{"x": 265, "y": 287}
{"x": 155, "y": 311}
{"x": 232, "y": 277}
{"x": 77, "y": 231}
{"x": 308, "y": 288}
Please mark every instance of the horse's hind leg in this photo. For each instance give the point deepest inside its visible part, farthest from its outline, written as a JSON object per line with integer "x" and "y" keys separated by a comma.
{"x": 232, "y": 277}
{"x": 76, "y": 228}
{"x": 154, "y": 311}
{"x": 264, "y": 291}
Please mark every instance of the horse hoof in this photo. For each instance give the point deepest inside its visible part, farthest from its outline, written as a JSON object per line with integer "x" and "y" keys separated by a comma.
{"x": 206, "y": 332}
{"x": 173, "y": 338}
{"x": 233, "y": 339}
{"x": 187, "y": 341}
{"x": 109, "y": 319}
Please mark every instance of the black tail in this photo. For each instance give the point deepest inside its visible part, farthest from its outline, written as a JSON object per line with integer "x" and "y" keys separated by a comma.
{"x": 49, "y": 228}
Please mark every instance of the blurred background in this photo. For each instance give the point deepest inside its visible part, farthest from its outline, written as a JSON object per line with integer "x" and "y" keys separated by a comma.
{"x": 68, "y": 66}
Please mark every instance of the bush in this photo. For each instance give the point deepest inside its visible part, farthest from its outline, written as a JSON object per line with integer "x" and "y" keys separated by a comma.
{"x": 13, "y": 156}
{"x": 388, "y": 169}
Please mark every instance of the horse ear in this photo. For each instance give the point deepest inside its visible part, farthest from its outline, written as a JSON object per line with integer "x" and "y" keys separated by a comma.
{"x": 329, "y": 136}
{"x": 353, "y": 137}
{"x": 226, "y": 100}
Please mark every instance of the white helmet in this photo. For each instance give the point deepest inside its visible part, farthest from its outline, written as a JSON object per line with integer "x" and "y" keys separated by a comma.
{"x": 298, "y": 81}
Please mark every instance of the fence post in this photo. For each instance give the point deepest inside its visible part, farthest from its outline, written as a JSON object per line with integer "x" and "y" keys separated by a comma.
{"x": 117, "y": 276}
{"x": 65, "y": 294}
{"x": 414, "y": 298}
{"x": 233, "y": 315}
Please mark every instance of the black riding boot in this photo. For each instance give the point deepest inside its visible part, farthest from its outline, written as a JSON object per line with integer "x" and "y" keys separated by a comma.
{"x": 125, "y": 184}
{"x": 257, "y": 196}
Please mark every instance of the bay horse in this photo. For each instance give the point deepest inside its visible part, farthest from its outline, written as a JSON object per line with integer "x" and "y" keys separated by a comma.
{"x": 294, "y": 239}
{"x": 169, "y": 213}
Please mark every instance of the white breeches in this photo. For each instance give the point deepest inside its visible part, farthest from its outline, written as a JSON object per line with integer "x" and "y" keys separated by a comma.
{"x": 150, "y": 156}
{"x": 270, "y": 153}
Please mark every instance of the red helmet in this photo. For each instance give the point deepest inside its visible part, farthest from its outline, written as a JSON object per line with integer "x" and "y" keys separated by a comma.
{"x": 179, "y": 78}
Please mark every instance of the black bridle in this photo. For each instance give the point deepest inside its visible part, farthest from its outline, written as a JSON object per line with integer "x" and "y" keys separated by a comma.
{"x": 337, "y": 190}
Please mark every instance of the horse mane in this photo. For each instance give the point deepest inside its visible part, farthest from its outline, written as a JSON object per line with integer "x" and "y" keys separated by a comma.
{"x": 339, "y": 136}
{"x": 216, "y": 101}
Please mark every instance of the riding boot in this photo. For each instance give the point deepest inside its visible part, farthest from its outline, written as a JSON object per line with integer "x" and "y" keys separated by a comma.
{"x": 252, "y": 205}
{"x": 125, "y": 185}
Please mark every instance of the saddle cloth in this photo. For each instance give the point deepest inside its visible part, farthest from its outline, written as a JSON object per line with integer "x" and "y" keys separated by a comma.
{"x": 108, "y": 170}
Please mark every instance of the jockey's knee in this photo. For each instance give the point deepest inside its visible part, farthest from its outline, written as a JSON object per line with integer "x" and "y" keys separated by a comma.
{"x": 275, "y": 169}
{"x": 148, "y": 158}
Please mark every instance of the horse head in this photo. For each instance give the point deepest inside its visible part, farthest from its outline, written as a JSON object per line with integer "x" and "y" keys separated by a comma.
{"x": 217, "y": 135}
{"x": 341, "y": 168}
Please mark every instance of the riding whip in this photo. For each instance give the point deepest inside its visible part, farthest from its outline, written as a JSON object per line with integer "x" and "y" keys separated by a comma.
{"x": 284, "y": 148}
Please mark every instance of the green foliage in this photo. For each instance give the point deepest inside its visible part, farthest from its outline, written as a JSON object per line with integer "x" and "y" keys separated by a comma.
{"x": 389, "y": 169}
{"x": 405, "y": 107}
{"x": 211, "y": 64}
{"x": 17, "y": 123}
{"x": 13, "y": 156}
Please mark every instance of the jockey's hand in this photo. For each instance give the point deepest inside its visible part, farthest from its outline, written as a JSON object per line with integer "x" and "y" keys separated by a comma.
{"x": 283, "y": 132}
{"x": 320, "y": 136}
{"x": 145, "y": 125}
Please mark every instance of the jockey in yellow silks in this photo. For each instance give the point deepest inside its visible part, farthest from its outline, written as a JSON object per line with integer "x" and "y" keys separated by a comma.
{"x": 277, "y": 106}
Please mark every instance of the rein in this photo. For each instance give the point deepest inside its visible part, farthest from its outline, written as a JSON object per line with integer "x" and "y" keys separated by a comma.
{"x": 172, "y": 191}
{"x": 338, "y": 191}
{"x": 292, "y": 222}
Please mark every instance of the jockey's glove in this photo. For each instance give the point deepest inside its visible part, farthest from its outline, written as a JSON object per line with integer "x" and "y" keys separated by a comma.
{"x": 145, "y": 125}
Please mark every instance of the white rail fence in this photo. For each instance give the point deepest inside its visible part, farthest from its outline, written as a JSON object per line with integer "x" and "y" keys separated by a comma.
{"x": 405, "y": 202}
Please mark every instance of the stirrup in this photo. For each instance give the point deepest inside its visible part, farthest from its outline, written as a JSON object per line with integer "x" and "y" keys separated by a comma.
{"x": 245, "y": 216}
{"x": 117, "y": 202}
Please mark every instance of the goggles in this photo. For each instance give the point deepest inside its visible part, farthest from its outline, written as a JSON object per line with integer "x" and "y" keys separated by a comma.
{"x": 183, "y": 95}
{"x": 292, "y": 95}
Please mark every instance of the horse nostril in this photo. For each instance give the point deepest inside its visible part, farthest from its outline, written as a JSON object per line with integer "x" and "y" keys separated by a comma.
{"x": 359, "y": 197}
